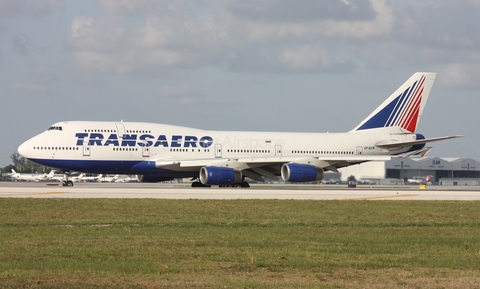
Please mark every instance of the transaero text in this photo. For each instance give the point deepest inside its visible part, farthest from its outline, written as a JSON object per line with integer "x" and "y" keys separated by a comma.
{"x": 174, "y": 141}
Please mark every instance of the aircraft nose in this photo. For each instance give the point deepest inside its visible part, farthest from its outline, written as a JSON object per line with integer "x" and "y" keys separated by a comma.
{"x": 23, "y": 149}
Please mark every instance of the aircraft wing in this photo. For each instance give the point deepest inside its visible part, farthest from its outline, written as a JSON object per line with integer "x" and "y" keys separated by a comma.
{"x": 268, "y": 167}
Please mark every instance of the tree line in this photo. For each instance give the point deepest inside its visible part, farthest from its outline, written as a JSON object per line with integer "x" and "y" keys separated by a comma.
{"x": 23, "y": 165}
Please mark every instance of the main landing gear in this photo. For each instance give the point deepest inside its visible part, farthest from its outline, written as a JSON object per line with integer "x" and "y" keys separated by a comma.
{"x": 66, "y": 182}
{"x": 243, "y": 184}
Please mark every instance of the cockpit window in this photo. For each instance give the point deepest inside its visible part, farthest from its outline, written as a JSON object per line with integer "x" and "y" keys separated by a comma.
{"x": 55, "y": 128}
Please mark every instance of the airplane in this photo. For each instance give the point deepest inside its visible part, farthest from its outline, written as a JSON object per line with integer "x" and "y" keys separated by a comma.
{"x": 50, "y": 175}
{"x": 77, "y": 178}
{"x": 162, "y": 152}
{"x": 28, "y": 177}
{"x": 89, "y": 179}
{"x": 420, "y": 180}
{"x": 60, "y": 177}
{"x": 106, "y": 179}
{"x": 126, "y": 180}
{"x": 55, "y": 177}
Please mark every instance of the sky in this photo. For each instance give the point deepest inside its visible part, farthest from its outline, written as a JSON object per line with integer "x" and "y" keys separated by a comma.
{"x": 270, "y": 65}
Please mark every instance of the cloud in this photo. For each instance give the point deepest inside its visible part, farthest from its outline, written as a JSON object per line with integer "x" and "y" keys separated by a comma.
{"x": 304, "y": 57}
{"x": 174, "y": 91}
{"x": 30, "y": 87}
{"x": 277, "y": 11}
{"x": 39, "y": 81}
{"x": 11, "y": 8}
{"x": 38, "y": 8}
{"x": 100, "y": 36}
{"x": 22, "y": 44}
{"x": 274, "y": 36}
{"x": 184, "y": 94}
{"x": 458, "y": 75}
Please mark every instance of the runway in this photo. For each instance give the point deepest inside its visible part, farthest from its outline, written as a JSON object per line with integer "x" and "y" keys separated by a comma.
{"x": 281, "y": 192}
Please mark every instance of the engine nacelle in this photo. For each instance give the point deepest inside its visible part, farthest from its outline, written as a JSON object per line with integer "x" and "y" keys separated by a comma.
{"x": 219, "y": 176}
{"x": 301, "y": 173}
{"x": 152, "y": 179}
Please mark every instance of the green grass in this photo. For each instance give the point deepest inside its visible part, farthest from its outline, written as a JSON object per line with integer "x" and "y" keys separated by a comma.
{"x": 146, "y": 243}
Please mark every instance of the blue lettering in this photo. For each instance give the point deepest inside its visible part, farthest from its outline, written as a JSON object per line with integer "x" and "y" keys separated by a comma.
{"x": 190, "y": 141}
{"x": 162, "y": 140}
{"x": 129, "y": 140}
{"x": 95, "y": 139}
{"x": 80, "y": 137}
{"x": 206, "y": 141}
{"x": 146, "y": 140}
{"x": 112, "y": 139}
{"x": 176, "y": 141}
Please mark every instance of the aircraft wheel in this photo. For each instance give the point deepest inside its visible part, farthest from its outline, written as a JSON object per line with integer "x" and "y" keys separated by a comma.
{"x": 199, "y": 185}
{"x": 245, "y": 185}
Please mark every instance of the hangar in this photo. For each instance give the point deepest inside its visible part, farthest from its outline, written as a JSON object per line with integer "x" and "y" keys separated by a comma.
{"x": 401, "y": 168}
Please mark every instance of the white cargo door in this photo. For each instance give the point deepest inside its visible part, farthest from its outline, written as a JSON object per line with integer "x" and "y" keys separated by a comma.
{"x": 145, "y": 149}
{"x": 278, "y": 151}
{"x": 86, "y": 148}
{"x": 359, "y": 150}
{"x": 218, "y": 150}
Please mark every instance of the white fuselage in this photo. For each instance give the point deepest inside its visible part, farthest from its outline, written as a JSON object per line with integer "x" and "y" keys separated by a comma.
{"x": 109, "y": 147}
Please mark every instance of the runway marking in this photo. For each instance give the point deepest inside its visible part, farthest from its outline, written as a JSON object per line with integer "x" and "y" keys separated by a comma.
{"x": 31, "y": 194}
{"x": 383, "y": 197}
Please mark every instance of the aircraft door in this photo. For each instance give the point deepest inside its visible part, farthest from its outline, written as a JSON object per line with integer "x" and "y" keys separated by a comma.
{"x": 145, "y": 150}
{"x": 86, "y": 148}
{"x": 359, "y": 150}
{"x": 278, "y": 151}
{"x": 120, "y": 129}
{"x": 218, "y": 150}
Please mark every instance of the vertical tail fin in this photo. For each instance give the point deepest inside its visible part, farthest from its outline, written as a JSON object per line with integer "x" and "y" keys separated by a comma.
{"x": 404, "y": 107}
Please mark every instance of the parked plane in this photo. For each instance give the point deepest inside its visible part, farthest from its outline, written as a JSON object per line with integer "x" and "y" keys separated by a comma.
{"x": 126, "y": 180}
{"x": 420, "y": 180}
{"x": 77, "y": 178}
{"x": 56, "y": 177}
{"x": 160, "y": 152}
{"x": 89, "y": 179}
{"x": 107, "y": 179}
{"x": 29, "y": 177}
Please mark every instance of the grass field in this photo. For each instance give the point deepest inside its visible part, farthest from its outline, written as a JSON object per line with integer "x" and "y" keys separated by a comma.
{"x": 147, "y": 243}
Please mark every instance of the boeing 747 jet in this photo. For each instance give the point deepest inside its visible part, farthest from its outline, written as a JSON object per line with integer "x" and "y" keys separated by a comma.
{"x": 161, "y": 152}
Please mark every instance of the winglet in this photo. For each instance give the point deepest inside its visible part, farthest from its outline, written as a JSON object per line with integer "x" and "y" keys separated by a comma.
{"x": 404, "y": 107}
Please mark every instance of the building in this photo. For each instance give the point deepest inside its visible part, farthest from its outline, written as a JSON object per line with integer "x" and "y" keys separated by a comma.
{"x": 409, "y": 168}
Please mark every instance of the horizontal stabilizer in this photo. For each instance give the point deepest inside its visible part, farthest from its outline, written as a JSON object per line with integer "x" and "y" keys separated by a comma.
{"x": 391, "y": 144}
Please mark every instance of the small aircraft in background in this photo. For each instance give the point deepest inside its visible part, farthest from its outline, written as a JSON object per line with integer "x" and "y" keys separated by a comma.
{"x": 107, "y": 179}
{"x": 420, "y": 180}
{"x": 29, "y": 177}
{"x": 83, "y": 178}
{"x": 128, "y": 179}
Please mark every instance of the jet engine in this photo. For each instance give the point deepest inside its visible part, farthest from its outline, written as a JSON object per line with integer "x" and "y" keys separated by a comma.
{"x": 301, "y": 173}
{"x": 219, "y": 176}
